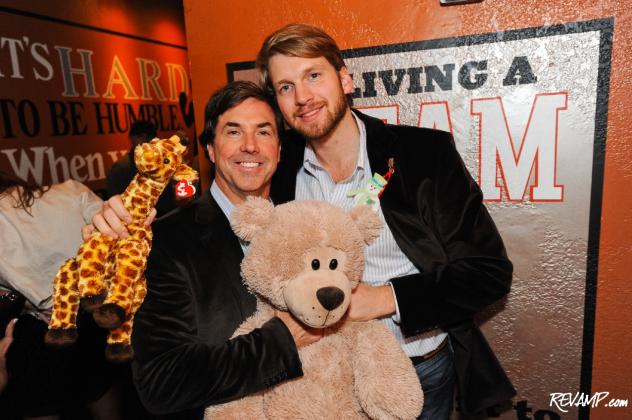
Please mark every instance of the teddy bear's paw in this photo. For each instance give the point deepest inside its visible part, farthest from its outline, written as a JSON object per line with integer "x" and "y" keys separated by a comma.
{"x": 109, "y": 316}
{"x": 119, "y": 353}
{"x": 90, "y": 303}
{"x": 60, "y": 337}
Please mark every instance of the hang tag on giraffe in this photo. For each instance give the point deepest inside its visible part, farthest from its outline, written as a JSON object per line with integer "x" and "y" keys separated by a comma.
{"x": 184, "y": 189}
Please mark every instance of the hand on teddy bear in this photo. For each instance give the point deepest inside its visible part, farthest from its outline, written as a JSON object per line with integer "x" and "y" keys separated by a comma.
{"x": 302, "y": 334}
{"x": 370, "y": 302}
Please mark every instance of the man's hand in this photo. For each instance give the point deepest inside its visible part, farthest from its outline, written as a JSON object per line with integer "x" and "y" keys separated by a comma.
{"x": 368, "y": 302}
{"x": 303, "y": 335}
{"x": 112, "y": 218}
{"x": 4, "y": 347}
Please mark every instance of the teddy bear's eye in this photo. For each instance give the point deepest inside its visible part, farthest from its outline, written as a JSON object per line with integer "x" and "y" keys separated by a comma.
{"x": 165, "y": 161}
{"x": 315, "y": 264}
{"x": 333, "y": 264}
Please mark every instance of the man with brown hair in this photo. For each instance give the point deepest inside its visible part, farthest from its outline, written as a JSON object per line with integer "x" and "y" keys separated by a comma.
{"x": 185, "y": 358}
{"x": 440, "y": 261}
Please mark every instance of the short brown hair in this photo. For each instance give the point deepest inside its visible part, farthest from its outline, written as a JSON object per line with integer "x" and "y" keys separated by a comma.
{"x": 297, "y": 40}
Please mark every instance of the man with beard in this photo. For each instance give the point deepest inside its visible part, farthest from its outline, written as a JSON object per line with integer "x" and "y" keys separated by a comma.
{"x": 440, "y": 261}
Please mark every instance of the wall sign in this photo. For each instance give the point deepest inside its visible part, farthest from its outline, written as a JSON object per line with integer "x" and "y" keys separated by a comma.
{"x": 69, "y": 93}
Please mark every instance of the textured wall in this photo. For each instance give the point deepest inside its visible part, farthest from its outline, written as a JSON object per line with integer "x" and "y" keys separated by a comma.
{"x": 521, "y": 342}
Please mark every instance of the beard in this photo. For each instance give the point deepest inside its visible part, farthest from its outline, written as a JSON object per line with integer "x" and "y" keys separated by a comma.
{"x": 331, "y": 121}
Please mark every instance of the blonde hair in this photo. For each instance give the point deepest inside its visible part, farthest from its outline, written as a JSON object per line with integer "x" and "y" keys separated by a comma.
{"x": 297, "y": 40}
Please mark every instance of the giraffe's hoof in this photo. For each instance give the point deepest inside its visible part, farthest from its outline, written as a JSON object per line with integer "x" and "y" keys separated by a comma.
{"x": 119, "y": 353}
{"x": 60, "y": 337}
{"x": 109, "y": 316}
{"x": 90, "y": 303}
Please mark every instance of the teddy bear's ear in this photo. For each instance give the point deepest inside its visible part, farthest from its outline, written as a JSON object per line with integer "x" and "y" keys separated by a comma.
{"x": 251, "y": 217}
{"x": 368, "y": 222}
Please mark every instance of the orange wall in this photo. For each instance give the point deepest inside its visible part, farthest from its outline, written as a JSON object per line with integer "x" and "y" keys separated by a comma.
{"x": 225, "y": 32}
{"x": 162, "y": 21}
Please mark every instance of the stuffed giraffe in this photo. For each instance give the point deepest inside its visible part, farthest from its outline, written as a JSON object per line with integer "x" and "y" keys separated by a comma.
{"x": 107, "y": 275}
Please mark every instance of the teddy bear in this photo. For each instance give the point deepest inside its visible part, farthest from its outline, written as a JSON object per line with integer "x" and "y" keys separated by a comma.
{"x": 107, "y": 275}
{"x": 306, "y": 257}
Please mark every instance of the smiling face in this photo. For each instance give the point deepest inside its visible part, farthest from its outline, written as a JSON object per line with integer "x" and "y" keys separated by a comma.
{"x": 245, "y": 150}
{"x": 310, "y": 93}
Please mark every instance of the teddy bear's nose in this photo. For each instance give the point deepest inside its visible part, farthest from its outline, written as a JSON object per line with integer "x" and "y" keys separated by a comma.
{"x": 330, "y": 297}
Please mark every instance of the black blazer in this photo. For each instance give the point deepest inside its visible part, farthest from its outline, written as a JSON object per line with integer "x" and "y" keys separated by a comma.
{"x": 184, "y": 359}
{"x": 434, "y": 209}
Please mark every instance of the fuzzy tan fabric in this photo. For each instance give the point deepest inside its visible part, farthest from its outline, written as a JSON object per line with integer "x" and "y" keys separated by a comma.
{"x": 307, "y": 257}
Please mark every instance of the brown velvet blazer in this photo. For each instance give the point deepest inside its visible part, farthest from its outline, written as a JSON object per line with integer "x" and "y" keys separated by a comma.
{"x": 434, "y": 209}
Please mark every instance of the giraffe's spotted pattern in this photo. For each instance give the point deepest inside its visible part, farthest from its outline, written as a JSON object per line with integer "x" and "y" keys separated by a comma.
{"x": 114, "y": 269}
